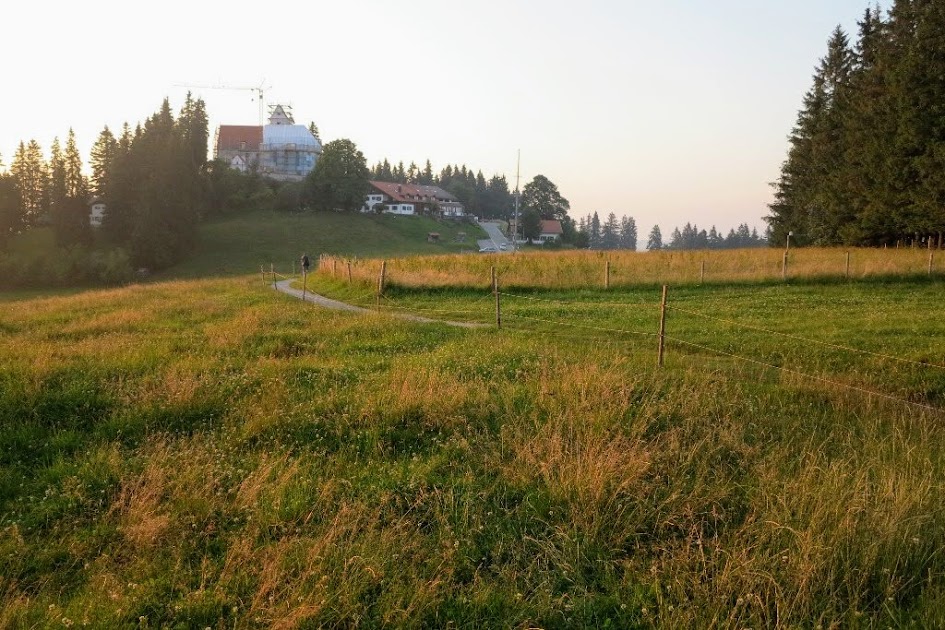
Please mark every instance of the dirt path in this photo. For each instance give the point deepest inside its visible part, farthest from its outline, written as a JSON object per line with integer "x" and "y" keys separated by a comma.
{"x": 320, "y": 300}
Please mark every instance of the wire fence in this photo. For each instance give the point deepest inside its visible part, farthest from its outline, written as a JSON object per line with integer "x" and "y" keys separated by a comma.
{"x": 523, "y": 320}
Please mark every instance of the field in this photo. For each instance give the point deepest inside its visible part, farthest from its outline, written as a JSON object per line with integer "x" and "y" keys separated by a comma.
{"x": 234, "y": 245}
{"x": 213, "y": 453}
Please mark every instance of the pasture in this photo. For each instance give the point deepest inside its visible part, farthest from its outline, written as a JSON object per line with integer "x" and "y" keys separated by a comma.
{"x": 213, "y": 453}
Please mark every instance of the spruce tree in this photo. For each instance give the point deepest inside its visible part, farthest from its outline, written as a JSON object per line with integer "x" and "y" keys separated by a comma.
{"x": 655, "y": 241}
{"x": 103, "y": 152}
{"x": 30, "y": 172}
{"x": 628, "y": 233}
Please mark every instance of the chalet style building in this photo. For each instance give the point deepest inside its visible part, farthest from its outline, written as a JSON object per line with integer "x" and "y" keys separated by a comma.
{"x": 394, "y": 198}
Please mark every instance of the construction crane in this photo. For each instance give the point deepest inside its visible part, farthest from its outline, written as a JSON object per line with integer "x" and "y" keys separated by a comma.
{"x": 259, "y": 91}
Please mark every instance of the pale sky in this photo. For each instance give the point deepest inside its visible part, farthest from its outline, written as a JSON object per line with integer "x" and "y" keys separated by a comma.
{"x": 668, "y": 111}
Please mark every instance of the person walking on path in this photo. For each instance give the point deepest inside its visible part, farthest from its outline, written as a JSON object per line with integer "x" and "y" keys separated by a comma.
{"x": 305, "y": 263}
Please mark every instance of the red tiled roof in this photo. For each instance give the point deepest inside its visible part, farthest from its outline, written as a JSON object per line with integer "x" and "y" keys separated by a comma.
{"x": 406, "y": 193}
{"x": 230, "y": 137}
{"x": 551, "y": 227}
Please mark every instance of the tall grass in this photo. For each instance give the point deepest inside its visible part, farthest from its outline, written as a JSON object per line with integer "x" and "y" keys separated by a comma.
{"x": 585, "y": 269}
{"x": 215, "y": 454}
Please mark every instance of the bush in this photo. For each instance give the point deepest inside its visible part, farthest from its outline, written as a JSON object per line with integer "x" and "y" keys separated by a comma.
{"x": 65, "y": 267}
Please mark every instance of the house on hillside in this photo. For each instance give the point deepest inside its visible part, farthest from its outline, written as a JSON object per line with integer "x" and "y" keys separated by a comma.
{"x": 550, "y": 231}
{"x": 96, "y": 212}
{"x": 408, "y": 199}
{"x": 281, "y": 150}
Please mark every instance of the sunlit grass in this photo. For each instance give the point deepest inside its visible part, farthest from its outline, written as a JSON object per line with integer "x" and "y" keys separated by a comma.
{"x": 215, "y": 453}
{"x": 588, "y": 269}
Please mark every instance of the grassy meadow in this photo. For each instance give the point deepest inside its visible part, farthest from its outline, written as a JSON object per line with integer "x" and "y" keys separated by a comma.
{"x": 586, "y": 269}
{"x": 213, "y": 453}
{"x": 234, "y": 245}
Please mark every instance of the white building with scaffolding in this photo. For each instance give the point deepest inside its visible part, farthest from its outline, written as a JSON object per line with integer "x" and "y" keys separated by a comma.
{"x": 281, "y": 150}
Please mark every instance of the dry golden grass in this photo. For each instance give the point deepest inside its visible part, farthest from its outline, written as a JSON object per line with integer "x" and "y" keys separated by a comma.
{"x": 580, "y": 269}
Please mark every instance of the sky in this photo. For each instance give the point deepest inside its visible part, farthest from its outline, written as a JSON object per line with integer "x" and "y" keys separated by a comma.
{"x": 669, "y": 111}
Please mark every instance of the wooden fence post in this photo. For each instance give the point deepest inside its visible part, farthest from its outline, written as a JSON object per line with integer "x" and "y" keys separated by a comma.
{"x": 349, "y": 272}
{"x": 846, "y": 273}
{"x": 498, "y": 305}
{"x": 702, "y": 272}
{"x": 334, "y": 267}
{"x": 607, "y": 275}
{"x": 272, "y": 272}
{"x": 304, "y": 282}
{"x": 784, "y": 267}
{"x": 380, "y": 282}
{"x": 262, "y": 274}
{"x": 659, "y": 357}
{"x": 931, "y": 257}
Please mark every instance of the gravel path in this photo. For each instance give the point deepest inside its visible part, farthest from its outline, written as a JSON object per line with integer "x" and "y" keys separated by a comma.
{"x": 286, "y": 287}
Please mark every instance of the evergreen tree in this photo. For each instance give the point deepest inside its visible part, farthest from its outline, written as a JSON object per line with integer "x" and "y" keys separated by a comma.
{"x": 313, "y": 129}
{"x": 103, "y": 152}
{"x": 610, "y": 233}
{"x": 498, "y": 201}
{"x": 655, "y": 240}
{"x": 596, "y": 237}
{"x": 68, "y": 194}
{"x": 11, "y": 209}
{"x": 628, "y": 233}
{"x": 30, "y": 172}
{"x": 426, "y": 177}
{"x": 119, "y": 190}
{"x": 56, "y": 191}
{"x": 193, "y": 128}
{"x": 399, "y": 174}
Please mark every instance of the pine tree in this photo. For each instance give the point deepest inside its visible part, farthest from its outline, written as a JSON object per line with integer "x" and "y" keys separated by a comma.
{"x": 655, "y": 240}
{"x": 11, "y": 209}
{"x": 30, "y": 172}
{"x": 628, "y": 233}
{"x": 56, "y": 191}
{"x": 595, "y": 236}
{"x": 426, "y": 177}
{"x": 103, "y": 151}
{"x": 66, "y": 193}
{"x": 808, "y": 194}
{"x": 610, "y": 233}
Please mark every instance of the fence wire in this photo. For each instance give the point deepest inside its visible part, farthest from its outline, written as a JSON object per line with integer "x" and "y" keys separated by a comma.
{"x": 862, "y": 390}
{"x": 370, "y": 300}
{"x": 805, "y": 339}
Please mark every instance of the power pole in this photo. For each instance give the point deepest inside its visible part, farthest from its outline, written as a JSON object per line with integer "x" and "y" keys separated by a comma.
{"x": 518, "y": 165}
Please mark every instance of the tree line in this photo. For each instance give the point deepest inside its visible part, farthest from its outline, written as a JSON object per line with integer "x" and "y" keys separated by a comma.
{"x": 691, "y": 237}
{"x": 866, "y": 161}
{"x": 489, "y": 199}
{"x": 154, "y": 181}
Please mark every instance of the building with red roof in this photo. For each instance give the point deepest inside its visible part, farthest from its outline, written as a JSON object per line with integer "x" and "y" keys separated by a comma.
{"x": 393, "y": 198}
{"x": 550, "y": 231}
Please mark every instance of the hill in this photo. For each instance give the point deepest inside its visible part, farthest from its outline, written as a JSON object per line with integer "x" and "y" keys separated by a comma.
{"x": 242, "y": 243}
{"x": 212, "y": 453}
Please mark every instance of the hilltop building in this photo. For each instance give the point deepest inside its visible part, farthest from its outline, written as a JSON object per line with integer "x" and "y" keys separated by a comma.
{"x": 394, "y": 198}
{"x": 281, "y": 150}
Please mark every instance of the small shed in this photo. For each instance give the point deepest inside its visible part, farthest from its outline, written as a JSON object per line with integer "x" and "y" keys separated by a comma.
{"x": 433, "y": 237}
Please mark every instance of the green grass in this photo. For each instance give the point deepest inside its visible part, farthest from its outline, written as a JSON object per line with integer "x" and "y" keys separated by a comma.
{"x": 212, "y": 453}
{"x": 240, "y": 244}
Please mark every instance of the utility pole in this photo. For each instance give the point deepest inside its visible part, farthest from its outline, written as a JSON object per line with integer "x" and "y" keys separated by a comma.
{"x": 518, "y": 165}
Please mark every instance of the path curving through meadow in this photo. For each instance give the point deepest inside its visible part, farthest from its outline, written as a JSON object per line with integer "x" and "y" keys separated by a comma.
{"x": 320, "y": 300}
